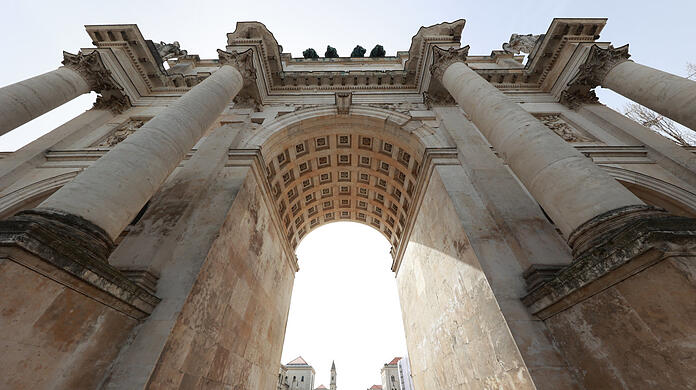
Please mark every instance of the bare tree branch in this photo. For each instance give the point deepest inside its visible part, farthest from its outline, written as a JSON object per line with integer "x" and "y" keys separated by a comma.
{"x": 691, "y": 71}
{"x": 658, "y": 123}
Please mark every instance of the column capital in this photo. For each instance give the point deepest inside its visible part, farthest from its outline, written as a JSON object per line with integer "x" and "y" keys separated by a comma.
{"x": 591, "y": 74}
{"x": 243, "y": 62}
{"x": 443, "y": 58}
{"x": 91, "y": 67}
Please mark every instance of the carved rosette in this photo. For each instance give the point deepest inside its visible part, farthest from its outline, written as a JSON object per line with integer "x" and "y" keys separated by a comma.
{"x": 244, "y": 62}
{"x": 443, "y": 58}
{"x": 591, "y": 74}
{"x": 91, "y": 67}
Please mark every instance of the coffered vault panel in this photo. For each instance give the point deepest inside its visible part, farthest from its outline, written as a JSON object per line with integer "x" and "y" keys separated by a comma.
{"x": 340, "y": 170}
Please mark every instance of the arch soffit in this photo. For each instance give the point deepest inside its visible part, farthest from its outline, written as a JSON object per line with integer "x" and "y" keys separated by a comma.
{"x": 370, "y": 193}
{"x": 16, "y": 198}
{"x": 676, "y": 193}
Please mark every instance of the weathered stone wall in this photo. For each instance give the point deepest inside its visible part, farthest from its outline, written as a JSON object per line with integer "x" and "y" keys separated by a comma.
{"x": 637, "y": 334}
{"x": 509, "y": 233}
{"x": 456, "y": 334}
{"x": 231, "y": 329}
{"x": 51, "y": 336}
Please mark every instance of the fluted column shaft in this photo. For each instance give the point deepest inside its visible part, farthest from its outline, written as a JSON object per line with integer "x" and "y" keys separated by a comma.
{"x": 112, "y": 191}
{"x": 570, "y": 188}
{"x": 28, "y": 99}
{"x": 662, "y": 92}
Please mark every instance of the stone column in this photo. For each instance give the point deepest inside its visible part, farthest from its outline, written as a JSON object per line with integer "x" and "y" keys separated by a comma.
{"x": 665, "y": 93}
{"x": 28, "y": 99}
{"x": 570, "y": 188}
{"x": 110, "y": 193}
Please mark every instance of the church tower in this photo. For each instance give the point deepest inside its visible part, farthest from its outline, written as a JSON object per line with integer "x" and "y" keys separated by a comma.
{"x": 333, "y": 376}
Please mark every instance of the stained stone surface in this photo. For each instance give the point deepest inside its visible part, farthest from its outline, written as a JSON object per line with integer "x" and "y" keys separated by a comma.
{"x": 65, "y": 339}
{"x": 635, "y": 327}
{"x": 455, "y": 332}
{"x": 231, "y": 329}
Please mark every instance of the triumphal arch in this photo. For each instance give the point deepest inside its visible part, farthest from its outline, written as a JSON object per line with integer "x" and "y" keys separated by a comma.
{"x": 539, "y": 238}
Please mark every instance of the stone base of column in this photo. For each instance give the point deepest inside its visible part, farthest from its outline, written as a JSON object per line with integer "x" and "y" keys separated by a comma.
{"x": 73, "y": 252}
{"x": 65, "y": 313}
{"x": 623, "y": 311}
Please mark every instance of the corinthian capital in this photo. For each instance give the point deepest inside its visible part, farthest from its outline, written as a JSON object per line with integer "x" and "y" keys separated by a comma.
{"x": 599, "y": 62}
{"x": 244, "y": 62}
{"x": 92, "y": 69}
{"x": 443, "y": 58}
{"x": 592, "y": 73}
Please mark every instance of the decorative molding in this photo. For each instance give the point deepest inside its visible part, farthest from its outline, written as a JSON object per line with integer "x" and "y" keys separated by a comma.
{"x": 122, "y": 132}
{"x": 598, "y": 230}
{"x": 443, "y": 58}
{"x": 438, "y": 98}
{"x": 591, "y": 74}
{"x": 116, "y": 103}
{"x": 558, "y": 125}
{"x": 625, "y": 251}
{"x": 576, "y": 95}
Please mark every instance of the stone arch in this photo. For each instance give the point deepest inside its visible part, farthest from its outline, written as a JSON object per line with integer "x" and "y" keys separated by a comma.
{"x": 656, "y": 192}
{"x": 366, "y": 167}
{"x": 428, "y": 136}
{"x": 31, "y": 195}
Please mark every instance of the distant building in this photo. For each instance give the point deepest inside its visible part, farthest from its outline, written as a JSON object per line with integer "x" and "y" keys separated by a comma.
{"x": 375, "y": 387}
{"x": 396, "y": 375}
{"x": 299, "y": 375}
{"x": 296, "y": 375}
{"x": 405, "y": 374}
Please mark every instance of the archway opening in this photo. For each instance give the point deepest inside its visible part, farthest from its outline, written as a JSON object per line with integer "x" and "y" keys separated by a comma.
{"x": 344, "y": 308}
{"x": 327, "y": 169}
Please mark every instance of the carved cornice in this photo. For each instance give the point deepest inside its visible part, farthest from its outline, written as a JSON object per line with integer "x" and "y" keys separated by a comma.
{"x": 438, "y": 98}
{"x": 591, "y": 74}
{"x": 443, "y": 58}
{"x": 75, "y": 253}
{"x": 114, "y": 102}
{"x": 576, "y": 95}
{"x": 244, "y": 62}
{"x": 626, "y": 251}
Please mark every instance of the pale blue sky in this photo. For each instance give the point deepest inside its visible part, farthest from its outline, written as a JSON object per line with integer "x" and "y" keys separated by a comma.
{"x": 339, "y": 298}
{"x": 36, "y": 32}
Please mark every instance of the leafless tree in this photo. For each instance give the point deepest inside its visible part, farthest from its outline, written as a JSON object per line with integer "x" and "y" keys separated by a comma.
{"x": 661, "y": 125}
{"x": 691, "y": 71}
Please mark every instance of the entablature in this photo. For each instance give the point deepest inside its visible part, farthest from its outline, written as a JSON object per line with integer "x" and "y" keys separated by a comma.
{"x": 283, "y": 77}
